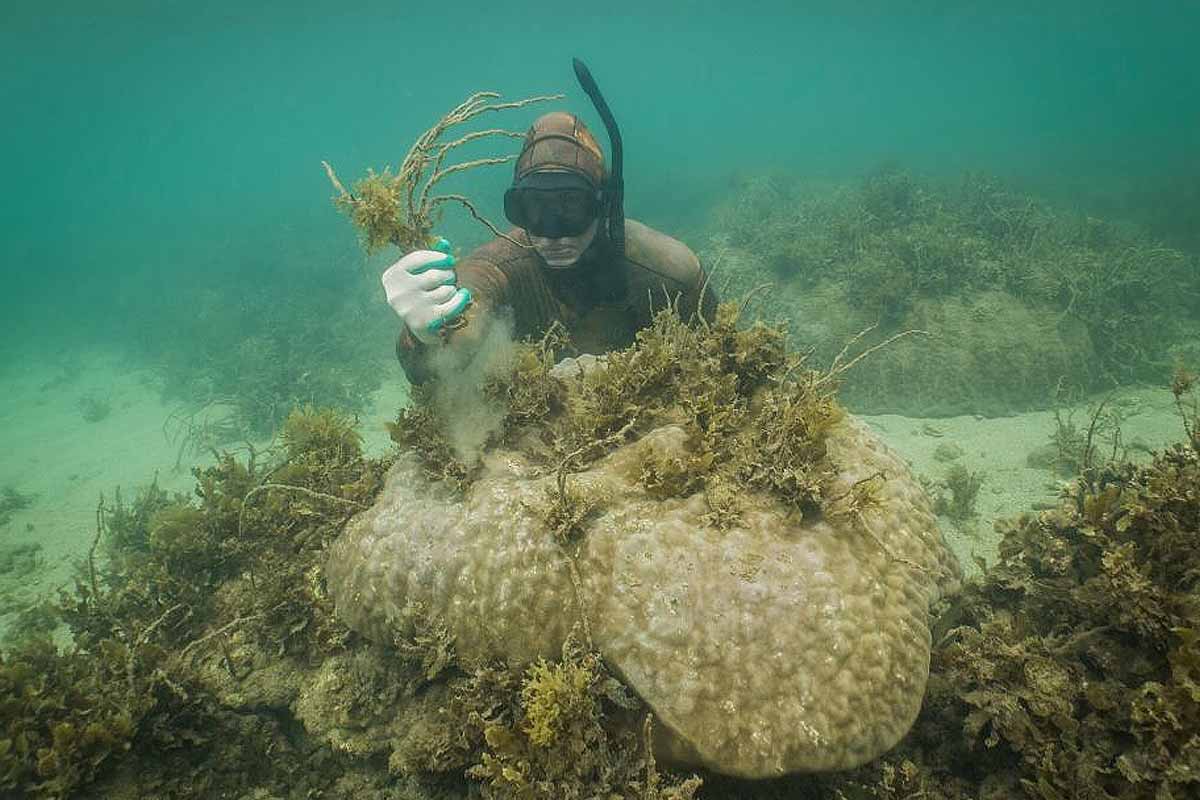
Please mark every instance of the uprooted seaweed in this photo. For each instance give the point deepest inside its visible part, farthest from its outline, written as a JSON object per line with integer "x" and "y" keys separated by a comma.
{"x": 401, "y": 208}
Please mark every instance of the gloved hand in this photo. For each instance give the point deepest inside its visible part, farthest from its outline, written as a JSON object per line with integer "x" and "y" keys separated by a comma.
{"x": 423, "y": 289}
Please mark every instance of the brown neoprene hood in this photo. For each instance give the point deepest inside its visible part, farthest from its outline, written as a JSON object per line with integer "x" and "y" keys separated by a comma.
{"x": 560, "y": 142}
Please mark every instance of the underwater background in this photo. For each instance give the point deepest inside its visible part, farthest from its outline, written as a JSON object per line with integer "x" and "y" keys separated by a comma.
{"x": 1023, "y": 181}
{"x": 160, "y": 149}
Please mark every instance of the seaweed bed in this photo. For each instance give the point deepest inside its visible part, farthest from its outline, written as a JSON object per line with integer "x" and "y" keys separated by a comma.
{"x": 1016, "y": 299}
{"x": 241, "y": 356}
{"x": 206, "y": 659}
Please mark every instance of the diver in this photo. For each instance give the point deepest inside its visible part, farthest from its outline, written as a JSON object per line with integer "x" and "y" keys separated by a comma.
{"x": 572, "y": 258}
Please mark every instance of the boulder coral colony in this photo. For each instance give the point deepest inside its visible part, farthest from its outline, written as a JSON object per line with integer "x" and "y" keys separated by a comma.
{"x": 788, "y": 639}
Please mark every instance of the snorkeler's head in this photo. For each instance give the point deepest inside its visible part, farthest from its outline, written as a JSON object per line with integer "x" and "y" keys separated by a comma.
{"x": 560, "y": 142}
{"x": 558, "y": 182}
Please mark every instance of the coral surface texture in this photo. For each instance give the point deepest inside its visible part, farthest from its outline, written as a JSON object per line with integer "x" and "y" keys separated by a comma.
{"x": 781, "y": 644}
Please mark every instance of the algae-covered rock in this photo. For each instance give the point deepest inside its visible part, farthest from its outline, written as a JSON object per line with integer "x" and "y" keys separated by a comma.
{"x": 786, "y": 637}
{"x": 1019, "y": 298}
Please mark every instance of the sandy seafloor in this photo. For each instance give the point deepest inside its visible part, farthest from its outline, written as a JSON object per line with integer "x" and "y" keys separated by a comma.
{"x": 50, "y": 452}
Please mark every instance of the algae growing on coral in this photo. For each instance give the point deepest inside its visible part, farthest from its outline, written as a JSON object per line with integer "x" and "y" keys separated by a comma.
{"x": 420, "y": 427}
{"x": 561, "y": 744}
{"x": 755, "y": 413}
{"x": 688, "y": 470}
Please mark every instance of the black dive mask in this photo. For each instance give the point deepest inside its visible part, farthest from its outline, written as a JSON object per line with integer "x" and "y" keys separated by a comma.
{"x": 553, "y": 205}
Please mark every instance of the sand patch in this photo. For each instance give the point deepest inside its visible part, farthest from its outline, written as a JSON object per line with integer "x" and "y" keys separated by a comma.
{"x": 77, "y": 426}
{"x": 998, "y": 449}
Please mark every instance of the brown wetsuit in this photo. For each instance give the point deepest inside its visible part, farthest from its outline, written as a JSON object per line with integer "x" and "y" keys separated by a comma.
{"x": 602, "y": 301}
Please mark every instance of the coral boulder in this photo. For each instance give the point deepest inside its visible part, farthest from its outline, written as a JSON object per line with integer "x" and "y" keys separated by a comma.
{"x": 784, "y": 641}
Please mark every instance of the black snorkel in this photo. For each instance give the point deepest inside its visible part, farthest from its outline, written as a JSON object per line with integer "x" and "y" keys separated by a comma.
{"x": 614, "y": 191}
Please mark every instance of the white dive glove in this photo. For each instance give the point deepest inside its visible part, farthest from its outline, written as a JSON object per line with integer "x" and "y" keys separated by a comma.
{"x": 423, "y": 289}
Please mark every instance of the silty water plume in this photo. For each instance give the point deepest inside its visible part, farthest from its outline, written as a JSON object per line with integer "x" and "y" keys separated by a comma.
{"x": 461, "y": 371}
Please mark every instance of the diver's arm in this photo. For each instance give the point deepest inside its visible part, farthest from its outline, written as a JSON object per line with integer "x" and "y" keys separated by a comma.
{"x": 488, "y": 289}
{"x": 413, "y": 357}
{"x": 422, "y": 288}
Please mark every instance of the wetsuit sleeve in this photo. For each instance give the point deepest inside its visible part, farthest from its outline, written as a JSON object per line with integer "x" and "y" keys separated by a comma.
{"x": 489, "y": 290}
{"x": 412, "y": 355}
